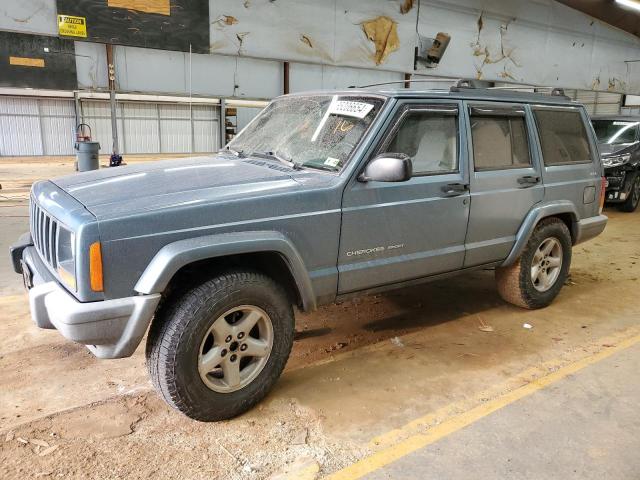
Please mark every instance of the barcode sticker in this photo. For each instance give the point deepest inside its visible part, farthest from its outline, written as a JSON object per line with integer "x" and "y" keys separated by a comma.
{"x": 350, "y": 108}
{"x": 332, "y": 162}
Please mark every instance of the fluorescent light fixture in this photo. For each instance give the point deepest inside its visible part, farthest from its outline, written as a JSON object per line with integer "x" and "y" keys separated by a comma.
{"x": 630, "y": 3}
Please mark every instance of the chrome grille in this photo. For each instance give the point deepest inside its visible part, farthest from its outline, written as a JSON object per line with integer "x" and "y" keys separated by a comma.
{"x": 44, "y": 232}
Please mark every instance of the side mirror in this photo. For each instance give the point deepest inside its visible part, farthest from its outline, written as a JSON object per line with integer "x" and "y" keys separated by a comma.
{"x": 388, "y": 167}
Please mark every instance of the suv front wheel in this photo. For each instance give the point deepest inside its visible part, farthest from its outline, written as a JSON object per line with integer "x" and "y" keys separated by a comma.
{"x": 536, "y": 278}
{"x": 216, "y": 350}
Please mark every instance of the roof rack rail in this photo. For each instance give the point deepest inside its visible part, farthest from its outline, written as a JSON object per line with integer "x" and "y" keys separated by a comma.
{"x": 417, "y": 80}
{"x": 464, "y": 83}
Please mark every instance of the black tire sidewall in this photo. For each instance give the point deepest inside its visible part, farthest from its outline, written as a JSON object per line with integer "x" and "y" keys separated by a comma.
{"x": 199, "y": 400}
{"x": 559, "y": 231}
{"x": 629, "y": 206}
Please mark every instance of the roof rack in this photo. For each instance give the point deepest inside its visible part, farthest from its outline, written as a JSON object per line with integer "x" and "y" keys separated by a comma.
{"x": 418, "y": 80}
{"x": 463, "y": 83}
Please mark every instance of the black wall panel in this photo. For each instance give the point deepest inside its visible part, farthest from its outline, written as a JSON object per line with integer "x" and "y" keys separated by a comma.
{"x": 25, "y": 63}
{"x": 187, "y": 23}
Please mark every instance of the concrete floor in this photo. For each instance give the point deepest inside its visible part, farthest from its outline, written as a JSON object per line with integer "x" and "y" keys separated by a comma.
{"x": 364, "y": 377}
{"x": 586, "y": 426}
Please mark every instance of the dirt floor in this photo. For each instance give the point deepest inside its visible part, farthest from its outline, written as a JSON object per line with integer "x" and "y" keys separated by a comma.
{"x": 360, "y": 373}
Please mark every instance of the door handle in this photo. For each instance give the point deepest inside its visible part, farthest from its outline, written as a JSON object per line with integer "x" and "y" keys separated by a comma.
{"x": 528, "y": 181}
{"x": 454, "y": 189}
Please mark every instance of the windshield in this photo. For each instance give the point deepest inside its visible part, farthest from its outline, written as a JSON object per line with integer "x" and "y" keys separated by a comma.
{"x": 318, "y": 131}
{"x": 615, "y": 131}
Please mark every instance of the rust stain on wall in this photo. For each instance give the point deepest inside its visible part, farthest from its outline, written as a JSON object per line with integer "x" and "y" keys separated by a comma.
{"x": 406, "y": 6}
{"x": 305, "y": 39}
{"x": 505, "y": 55}
{"x": 383, "y": 32}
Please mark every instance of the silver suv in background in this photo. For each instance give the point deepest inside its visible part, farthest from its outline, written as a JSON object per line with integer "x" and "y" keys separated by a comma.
{"x": 323, "y": 196}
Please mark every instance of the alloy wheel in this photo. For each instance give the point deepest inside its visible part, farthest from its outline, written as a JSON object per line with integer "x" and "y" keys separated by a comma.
{"x": 546, "y": 264}
{"x": 235, "y": 349}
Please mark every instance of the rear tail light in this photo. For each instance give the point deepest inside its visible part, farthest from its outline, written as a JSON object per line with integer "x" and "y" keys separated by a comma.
{"x": 603, "y": 188}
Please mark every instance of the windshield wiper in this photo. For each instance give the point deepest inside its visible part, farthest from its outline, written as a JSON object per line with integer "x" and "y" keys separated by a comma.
{"x": 318, "y": 166}
{"x": 281, "y": 158}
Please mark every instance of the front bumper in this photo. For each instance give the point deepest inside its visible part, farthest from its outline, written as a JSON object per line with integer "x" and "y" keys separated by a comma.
{"x": 618, "y": 185}
{"x": 109, "y": 328}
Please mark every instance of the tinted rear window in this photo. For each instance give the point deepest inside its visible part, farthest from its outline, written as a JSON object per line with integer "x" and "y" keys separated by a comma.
{"x": 499, "y": 142}
{"x": 563, "y": 137}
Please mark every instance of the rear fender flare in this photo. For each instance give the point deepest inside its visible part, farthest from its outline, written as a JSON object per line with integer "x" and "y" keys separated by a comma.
{"x": 532, "y": 219}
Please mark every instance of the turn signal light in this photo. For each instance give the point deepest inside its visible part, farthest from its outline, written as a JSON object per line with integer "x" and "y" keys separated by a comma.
{"x": 603, "y": 189}
{"x": 95, "y": 267}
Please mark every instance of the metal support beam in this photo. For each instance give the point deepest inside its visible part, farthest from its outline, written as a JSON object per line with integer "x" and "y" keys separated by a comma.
{"x": 286, "y": 78}
{"x": 223, "y": 123}
{"x": 111, "y": 68}
{"x": 407, "y": 80}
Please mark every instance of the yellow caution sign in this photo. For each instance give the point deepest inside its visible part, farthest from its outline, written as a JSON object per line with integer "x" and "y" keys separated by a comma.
{"x": 70, "y": 26}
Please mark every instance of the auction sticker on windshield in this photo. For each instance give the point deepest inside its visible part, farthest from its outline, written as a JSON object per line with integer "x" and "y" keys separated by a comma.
{"x": 332, "y": 162}
{"x": 350, "y": 108}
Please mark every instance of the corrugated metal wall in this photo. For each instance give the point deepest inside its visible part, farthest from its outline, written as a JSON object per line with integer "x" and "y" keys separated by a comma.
{"x": 36, "y": 126}
{"x": 46, "y": 126}
{"x": 155, "y": 127}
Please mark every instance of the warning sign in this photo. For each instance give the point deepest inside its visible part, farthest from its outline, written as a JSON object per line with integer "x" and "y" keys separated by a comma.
{"x": 69, "y": 26}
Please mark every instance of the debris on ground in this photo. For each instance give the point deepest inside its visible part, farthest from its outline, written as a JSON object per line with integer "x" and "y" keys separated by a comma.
{"x": 527, "y": 326}
{"x": 300, "y": 438}
{"x": 49, "y": 450}
{"x": 40, "y": 443}
{"x": 335, "y": 346}
{"x": 303, "y": 468}
{"x": 397, "y": 342}
{"x": 483, "y": 327}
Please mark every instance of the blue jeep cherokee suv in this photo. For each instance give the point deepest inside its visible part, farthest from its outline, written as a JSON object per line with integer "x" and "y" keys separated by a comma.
{"x": 323, "y": 196}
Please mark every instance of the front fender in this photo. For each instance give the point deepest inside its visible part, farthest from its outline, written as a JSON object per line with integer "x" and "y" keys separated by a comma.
{"x": 537, "y": 213}
{"x": 172, "y": 257}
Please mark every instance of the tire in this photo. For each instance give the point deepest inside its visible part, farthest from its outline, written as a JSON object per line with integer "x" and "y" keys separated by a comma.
{"x": 516, "y": 284}
{"x": 186, "y": 337}
{"x": 631, "y": 204}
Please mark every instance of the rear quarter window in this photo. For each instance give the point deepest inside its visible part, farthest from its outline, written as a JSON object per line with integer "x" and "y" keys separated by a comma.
{"x": 563, "y": 137}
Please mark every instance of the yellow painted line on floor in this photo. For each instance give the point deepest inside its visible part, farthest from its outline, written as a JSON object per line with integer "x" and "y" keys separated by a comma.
{"x": 454, "y": 424}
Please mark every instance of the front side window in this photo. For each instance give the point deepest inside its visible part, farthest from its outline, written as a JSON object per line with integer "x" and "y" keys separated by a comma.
{"x": 499, "y": 142}
{"x": 430, "y": 139}
{"x": 315, "y": 131}
{"x": 616, "y": 132}
{"x": 563, "y": 137}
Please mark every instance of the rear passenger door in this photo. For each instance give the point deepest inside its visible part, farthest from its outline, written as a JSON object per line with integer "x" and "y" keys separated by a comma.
{"x": 572, "y": 168}
{"x": 505, "y": 178}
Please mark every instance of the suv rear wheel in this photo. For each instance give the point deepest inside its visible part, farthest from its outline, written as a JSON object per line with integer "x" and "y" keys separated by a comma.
{"x": 634, "y": 196}
{"x": 536, "y": 278}
{"x": 216, "y": 350}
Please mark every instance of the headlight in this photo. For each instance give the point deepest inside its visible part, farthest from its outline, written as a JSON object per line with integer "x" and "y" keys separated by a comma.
{"x": 616, "y": 160}
{"x": 66, "y": 257}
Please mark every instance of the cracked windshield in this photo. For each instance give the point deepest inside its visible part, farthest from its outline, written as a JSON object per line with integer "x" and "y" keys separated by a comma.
{"x": 319, "y": 131}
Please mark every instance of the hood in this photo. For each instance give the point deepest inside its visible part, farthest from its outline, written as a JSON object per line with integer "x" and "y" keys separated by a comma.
{"x": 166, "y": 183}
{"x": 608, "y": 149}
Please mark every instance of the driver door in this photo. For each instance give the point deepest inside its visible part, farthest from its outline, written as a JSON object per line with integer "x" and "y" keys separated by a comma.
{"x": 400, "y": 231}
